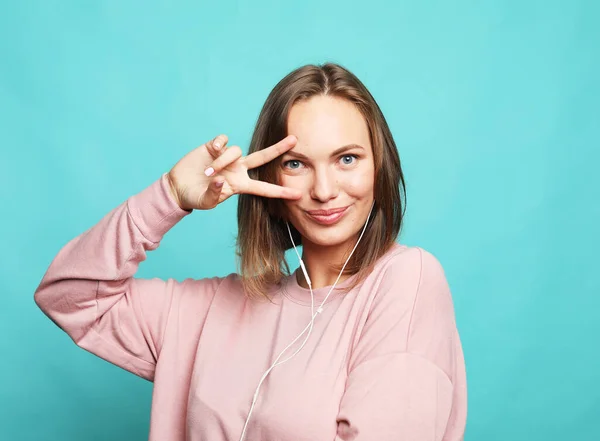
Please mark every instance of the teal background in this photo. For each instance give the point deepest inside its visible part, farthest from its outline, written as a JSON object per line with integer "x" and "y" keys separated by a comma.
{"x": 494, "y": 107}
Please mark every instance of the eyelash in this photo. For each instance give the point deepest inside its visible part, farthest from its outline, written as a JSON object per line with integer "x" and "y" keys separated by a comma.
{"x": 297, "y": 160}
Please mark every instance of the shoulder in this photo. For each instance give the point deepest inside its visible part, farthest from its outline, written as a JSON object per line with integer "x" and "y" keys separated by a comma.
{"x": 231, "y": 285}
{"x": 406, "y": 266}
{"x": 405, "y": 256}
{"x": 410, "y": 307}
{"x": 204, "y": 286}
{"x": 413, "y": 281}
{"x": 421, "y": 273}
{"x": 411, "y": 265}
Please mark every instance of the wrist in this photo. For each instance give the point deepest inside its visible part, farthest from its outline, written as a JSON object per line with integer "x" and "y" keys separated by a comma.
{"x": 173, "y": 193}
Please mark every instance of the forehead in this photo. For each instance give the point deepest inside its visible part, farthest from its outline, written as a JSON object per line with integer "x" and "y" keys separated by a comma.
{"x": 324, "y": 123}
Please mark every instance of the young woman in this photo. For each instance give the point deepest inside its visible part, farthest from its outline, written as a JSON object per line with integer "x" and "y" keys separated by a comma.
{"x": 358, "y": 343}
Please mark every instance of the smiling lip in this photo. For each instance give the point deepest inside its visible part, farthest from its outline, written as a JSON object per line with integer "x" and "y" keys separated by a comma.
{"x": 327, "y": 217}
{"x": 326, "y": 212}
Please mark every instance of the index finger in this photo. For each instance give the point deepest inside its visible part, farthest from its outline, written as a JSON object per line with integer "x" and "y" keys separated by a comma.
{"x": 263, "y": 156}
{"x": 265, "y": 189}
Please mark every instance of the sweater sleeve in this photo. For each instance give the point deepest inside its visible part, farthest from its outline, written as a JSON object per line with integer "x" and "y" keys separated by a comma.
{"x": 402, "y": 371}
{"x": 89, "y": 290}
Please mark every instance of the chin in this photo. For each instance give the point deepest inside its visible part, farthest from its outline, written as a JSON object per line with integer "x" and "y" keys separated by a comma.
{"x": 326, "y": 240}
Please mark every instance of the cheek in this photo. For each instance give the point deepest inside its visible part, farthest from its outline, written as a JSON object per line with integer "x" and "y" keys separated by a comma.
{"x": 360, "y": 184}
{"x": 282, "y": 179}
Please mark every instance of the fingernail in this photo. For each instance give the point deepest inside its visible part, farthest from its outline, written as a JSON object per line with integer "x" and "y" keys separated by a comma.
{"x": 209, "y": 171}
{"x": 217, "y": 145}
{"x": 219, "y": 184}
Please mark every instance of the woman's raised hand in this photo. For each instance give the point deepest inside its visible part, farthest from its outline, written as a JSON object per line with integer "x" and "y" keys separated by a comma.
{"x": 213, "y": 172}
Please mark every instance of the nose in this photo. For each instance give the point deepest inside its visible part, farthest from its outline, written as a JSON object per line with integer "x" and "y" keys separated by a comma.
{"x": 324, "y": 185}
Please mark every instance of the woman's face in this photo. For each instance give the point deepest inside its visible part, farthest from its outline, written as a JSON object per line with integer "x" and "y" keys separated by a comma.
{"x": 332, "y": 164}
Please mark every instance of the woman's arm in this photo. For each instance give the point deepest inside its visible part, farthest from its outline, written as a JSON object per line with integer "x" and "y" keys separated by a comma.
{"x": 89, "y": 290}
{"x": 406, "y": 375}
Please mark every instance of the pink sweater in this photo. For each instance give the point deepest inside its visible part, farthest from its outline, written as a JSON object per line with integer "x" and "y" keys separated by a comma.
{"x": 383, "y": 362}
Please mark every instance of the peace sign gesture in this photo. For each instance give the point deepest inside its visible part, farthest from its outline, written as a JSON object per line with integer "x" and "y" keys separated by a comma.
{"x": 211, "y": 173}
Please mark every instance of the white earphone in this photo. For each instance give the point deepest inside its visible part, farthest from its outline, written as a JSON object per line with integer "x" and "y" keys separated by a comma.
{"x": 313, "y": 315}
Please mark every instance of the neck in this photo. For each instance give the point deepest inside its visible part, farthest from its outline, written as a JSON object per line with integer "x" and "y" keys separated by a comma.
{"x": 318, "y": 259}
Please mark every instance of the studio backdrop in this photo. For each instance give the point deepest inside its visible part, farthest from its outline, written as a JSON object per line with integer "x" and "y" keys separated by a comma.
{"x": 493, "y": 106}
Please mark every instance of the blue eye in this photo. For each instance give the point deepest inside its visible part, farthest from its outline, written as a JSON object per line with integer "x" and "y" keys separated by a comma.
{"x": 346, "y": 157}
{"x": 285, "y": 164}
{"x": 294, "y": 164}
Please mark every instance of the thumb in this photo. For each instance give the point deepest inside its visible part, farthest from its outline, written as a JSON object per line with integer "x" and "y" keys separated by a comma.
{"x": 213, "y": 192}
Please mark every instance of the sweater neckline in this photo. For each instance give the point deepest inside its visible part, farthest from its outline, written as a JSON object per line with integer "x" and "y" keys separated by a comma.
{"x": 301, "y": 295}
{"x": 298, "y": 294}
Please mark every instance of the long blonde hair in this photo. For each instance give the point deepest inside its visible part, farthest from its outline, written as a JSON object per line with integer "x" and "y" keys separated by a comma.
{"x": 263, "y": 237}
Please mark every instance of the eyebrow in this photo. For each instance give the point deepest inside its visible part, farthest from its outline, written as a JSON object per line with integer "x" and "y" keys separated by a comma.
{"x": 335, "y": 153}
